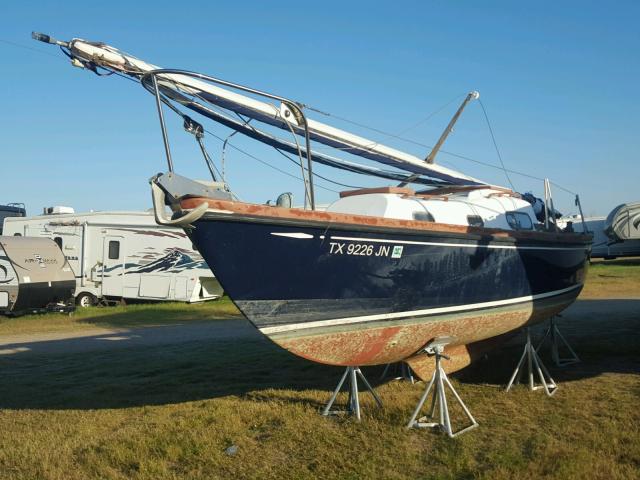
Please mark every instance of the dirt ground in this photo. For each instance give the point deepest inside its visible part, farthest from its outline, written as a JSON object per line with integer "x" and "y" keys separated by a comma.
{"x": 584, "y": 315}
{"x": 111, "y": 339}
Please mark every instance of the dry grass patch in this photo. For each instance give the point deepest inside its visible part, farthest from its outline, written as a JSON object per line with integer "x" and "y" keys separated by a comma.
{"x": 171, "y": 412}
{"x": 618, "y": 278}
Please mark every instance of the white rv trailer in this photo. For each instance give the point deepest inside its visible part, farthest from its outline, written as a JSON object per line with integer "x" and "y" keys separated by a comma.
{"x": 603, "y": 245}
{"x": 123, "y": 255}
{"x": 11, "y": 210}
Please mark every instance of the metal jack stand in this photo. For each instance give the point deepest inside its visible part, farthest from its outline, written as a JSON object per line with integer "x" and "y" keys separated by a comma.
{"x": 353, "y": 403}
{"x": 439, "y": 399}
{"x": 533, "y": 360}
{"x": 405, "y": 372}
{"x": 557, "y": 339}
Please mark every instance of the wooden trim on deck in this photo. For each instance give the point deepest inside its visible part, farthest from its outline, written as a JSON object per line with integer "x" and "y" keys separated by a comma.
{"x": 265, "y": 211}
{"x": 366, "y": 191}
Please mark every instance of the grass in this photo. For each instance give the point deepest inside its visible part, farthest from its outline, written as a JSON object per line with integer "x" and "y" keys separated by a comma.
{"x": 618, "y": 278}
{"x": 172, "y": 412}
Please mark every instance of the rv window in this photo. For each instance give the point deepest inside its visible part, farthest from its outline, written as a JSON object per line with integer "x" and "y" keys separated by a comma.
{"x": 475, "y": 221}
{"x": 114, "y": 249}
{"x": 519, "y": 221}
{"x": 58, "y": 241}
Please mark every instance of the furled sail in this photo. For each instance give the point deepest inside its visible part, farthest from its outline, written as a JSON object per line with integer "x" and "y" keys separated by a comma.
{"x": 84, "y": 53}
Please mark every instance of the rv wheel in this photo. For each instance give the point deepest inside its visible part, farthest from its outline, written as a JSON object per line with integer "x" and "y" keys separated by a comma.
{"x": 85, "y": 299}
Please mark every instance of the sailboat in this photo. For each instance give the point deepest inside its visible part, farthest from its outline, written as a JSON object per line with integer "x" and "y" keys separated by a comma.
{"x": 380, "y": 272}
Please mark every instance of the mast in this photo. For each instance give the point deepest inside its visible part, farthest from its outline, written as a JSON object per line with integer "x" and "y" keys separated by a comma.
{"x": 286, "y": 115}
{"x": 434, "y": 151}
{"x": 432, "y": 155}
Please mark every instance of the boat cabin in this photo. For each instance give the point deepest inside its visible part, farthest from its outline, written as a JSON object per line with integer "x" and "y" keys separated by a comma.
{"x": 491, "y": 207}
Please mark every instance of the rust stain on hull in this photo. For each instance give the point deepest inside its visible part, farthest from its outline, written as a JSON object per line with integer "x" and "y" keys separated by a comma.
{"x": 376, "y": 345}
{"x": 460, "y": 356}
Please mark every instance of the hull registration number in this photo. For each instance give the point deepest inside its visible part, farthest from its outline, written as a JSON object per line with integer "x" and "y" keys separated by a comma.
{"x": 365, "y": 249}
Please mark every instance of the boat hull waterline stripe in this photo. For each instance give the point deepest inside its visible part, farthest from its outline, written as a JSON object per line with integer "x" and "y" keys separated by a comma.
{"x": 414, "y": 313}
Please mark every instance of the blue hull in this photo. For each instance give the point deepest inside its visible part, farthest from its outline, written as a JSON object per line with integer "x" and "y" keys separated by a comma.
{"x": 315, "y": 290}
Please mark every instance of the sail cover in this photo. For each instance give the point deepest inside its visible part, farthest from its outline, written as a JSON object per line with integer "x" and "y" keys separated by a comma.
{"x": 281, "y": 116}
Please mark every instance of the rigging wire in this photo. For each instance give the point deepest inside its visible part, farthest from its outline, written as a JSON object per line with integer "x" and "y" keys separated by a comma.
{"x": 397, "y": 136}
{"x": 224, "y": 153}
{"x": 515, "y": 172}
{"x": 244, "y": 152}
{"x": 247, "y": 123}
{"x": 226, "y": 141}
{"x": 366, "y": 148}
{"x": 207, "y": 158}
{"x": 446, "y": 152}
{"x": 183, "y": 115}
{"x": 18, "y": 45}
{"x": 431, "y": 115}
{"x": 304, "y": 179}
{"x": 317, "y": 174}
{"x": 463, "y": 157}
{"x": 495, "y": 144}
{"x": 304, "y": 171}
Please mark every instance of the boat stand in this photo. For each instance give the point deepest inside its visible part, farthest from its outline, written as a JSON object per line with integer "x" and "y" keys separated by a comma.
{"x": 404, "y": 373}
{"x": 533, "y": 362}
{"x": 557, "y": 340}
{"x": 351, "y": 375}
{"x": 439, "y": 400}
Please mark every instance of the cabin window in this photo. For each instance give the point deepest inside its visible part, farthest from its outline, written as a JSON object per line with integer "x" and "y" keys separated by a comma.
{"x": 58, "y": 241}
{"x": 114, "y": 249}
{"x": 475, "y": 221}
{"x": 423, "y": 216}
{"x": 519, "y": 221}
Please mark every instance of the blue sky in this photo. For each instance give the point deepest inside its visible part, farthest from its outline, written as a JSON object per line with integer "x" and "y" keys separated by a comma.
{"x": 559, "y": 81}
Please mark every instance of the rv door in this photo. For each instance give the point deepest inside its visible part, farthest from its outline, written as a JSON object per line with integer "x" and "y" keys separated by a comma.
{"x": 113, "y": 266}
